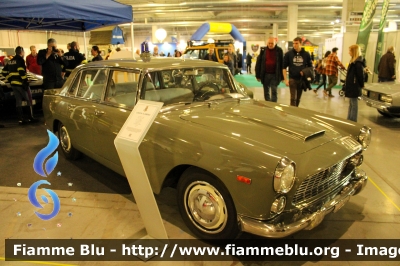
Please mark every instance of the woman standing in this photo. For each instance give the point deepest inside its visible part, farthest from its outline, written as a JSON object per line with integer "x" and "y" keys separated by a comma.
{"x": 96, "y": 54}
{"x": 321, "y": 70}
{"x": 354, "y": 81}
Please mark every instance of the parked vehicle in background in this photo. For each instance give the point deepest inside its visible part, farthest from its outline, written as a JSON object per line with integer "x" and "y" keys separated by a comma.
{"x": 237, "y": 164}
{"x": 384, "y": 96}
{"x": 35, "y": 83}
{"x": 199, "y": 49}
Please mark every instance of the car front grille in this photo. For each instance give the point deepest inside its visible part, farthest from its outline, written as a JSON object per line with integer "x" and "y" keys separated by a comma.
{"x": 327, "y": 180}
{"x": 374, "y": 95}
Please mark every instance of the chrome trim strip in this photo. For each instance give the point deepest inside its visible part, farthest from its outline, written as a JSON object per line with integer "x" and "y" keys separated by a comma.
{"x": 376, "y": 104}
{"x": 265, "y": 229}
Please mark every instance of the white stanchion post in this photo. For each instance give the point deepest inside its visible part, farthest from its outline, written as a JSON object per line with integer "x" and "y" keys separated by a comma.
{"x": 127, "y": 144}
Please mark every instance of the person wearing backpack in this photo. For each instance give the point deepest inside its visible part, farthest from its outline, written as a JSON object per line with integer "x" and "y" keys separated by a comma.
{"x": 321, "y": 70}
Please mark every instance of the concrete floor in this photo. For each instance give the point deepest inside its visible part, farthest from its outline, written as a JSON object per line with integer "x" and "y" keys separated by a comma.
{"x": 97, "y": 203}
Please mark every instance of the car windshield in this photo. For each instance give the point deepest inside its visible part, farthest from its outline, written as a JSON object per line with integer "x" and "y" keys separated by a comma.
{"x": 190, "y": 85}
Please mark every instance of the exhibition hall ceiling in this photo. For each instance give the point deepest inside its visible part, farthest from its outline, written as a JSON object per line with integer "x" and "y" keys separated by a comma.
{"x": 316, "y": 18}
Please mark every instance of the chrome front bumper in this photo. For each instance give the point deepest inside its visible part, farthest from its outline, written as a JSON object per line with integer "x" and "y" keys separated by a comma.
{"x": 376, "y": 104}
{"x": 265, "y": 229}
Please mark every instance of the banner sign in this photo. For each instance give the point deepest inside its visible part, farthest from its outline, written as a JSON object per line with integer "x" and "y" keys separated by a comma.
{"x": 355, "y": 18}
{"x": 234, "y": 251}
{"x": 366, "y": 24}
{"x": 379, "y": 44}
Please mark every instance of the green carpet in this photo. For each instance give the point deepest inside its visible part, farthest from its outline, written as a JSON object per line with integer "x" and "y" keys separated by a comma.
{"x": 250, "y": 81}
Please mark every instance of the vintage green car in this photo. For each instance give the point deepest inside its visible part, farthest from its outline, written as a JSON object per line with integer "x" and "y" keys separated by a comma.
{"x": 238, "y": 164}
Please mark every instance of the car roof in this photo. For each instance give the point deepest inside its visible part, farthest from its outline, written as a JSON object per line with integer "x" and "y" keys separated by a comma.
{"x": 156, "y": 63}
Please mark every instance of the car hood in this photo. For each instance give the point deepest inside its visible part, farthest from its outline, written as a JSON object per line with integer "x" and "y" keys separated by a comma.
{"x": 384, "y": 87}
{"x": 262, "y": 124}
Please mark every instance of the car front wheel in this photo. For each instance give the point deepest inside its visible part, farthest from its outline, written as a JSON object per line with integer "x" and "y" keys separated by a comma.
{"x": 65, "y": 143}
{"x": 206, "y": 206}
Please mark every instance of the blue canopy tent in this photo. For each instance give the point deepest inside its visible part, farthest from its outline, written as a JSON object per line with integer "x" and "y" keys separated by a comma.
{"x": 62, "y": 15}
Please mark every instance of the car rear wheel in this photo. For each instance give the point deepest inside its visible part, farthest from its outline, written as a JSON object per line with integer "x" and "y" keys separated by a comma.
{"x": 206, "y": 206}
{"x": 65, "y": 143}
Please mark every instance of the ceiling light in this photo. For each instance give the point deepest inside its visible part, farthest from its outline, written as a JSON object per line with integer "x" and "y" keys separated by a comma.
{"x": 337, "y": 20}
{"x": 160, "y": 34}
{"x": 332, "y": 22}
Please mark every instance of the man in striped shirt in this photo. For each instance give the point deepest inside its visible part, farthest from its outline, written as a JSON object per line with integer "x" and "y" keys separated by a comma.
{"x": 331, "y": 70}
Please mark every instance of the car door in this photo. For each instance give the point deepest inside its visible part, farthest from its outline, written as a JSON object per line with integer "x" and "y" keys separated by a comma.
{"x": 86, "y": 90}
{"x": 113, "y": 110}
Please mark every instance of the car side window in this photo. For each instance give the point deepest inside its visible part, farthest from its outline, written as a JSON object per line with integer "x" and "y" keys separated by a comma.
{"x": 122, "y": 88}
{"x": 91, "y": 84}
{"x": 176, "y": 87}
{"x": 197, "y": 53}
{"x": 74, "y": 86}
{"x": 221, "y": 53}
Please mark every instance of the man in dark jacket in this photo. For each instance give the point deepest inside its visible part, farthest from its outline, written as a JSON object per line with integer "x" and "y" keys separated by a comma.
{"x": 52, "y": 63}
{"x": 239, "y": 61}
{"x": 296, "y": 60}
{"x": 269, "y": 69}
{"x": 386, "y": 66}
{"x": 74, "y": 58}
{"x": 248, "y": 62}
{"x": 15, "y": 73}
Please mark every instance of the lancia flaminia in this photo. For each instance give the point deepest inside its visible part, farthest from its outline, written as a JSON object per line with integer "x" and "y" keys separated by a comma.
{"x": 239, "y": 165}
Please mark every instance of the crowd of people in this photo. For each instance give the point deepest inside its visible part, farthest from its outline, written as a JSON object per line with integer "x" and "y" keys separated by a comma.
{"x": 52, "y": 63}
{"x": 272, "y": 68}
{"x": 296, "y": 66}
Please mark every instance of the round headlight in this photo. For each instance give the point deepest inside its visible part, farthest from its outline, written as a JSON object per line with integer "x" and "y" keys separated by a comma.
{"x": 364, "y": 92}
{"x": 365, "y": 137}
{"x": 386, "y": 98}
{"x": 284, "y": 175}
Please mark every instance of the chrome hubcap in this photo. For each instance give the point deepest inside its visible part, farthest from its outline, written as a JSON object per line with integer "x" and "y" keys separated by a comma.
{"x": 206, "y": 207}
{"x": 64, "y": 139}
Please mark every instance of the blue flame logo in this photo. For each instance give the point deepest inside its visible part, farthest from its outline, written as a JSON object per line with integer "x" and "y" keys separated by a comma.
{"x": 44, "y": 153}
{"x": 35, "y": 202}
{"x": 44, "y": 168}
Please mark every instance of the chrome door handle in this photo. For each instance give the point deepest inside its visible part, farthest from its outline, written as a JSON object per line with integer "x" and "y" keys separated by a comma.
{"x": 97, "y": 112}
{"x": 71, "y": 107}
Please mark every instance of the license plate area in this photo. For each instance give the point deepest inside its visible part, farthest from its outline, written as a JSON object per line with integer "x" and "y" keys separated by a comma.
{"x": 373, "y": 95}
